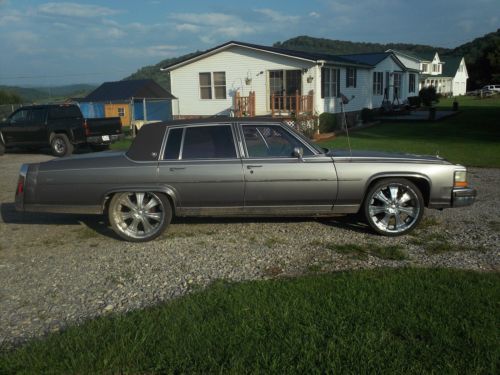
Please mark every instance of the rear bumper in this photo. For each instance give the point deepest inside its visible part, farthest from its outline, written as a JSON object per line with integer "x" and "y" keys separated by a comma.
{"x": 104, "y": 139}
{"x": 463, "y": 197}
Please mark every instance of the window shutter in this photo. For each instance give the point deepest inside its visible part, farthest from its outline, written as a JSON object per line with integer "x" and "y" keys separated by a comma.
{"x": 322, "y": 83}
{"x": 338, "y": 83}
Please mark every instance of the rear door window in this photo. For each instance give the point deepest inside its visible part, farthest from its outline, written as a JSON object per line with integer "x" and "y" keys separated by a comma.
{"x": 208, "y": 142}
{"x": 38, "y": 115}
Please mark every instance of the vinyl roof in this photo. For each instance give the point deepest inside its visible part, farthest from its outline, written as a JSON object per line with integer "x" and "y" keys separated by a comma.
{"x": 125, "y": 90}
{"x": 309, "y": 56}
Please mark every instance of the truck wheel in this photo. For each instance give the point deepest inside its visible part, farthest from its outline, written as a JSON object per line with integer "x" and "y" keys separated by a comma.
{"x": 139, "y": 216}
{"x": 393, "y": 207}
{"x": 60, "y": 145}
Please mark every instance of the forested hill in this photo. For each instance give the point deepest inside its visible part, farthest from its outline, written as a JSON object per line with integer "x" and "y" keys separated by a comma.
{"x": 343, "y": 47}
{"x": 482, "y": 57}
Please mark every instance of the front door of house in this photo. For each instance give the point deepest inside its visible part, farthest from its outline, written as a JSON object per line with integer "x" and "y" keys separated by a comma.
{"x": 282, "y": 85}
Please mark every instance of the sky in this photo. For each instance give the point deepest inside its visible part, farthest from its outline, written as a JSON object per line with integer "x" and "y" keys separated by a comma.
{"x": 51, "y": 43}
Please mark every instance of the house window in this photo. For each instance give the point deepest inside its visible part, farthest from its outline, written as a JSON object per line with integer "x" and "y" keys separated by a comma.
{"x": 330, "y": 82}
{"x": 435, "y": 68}
{"x": 217, "y": 89}
{"x": 351, "y": 77}
{"x": 411, "y": 83}
{"x": 378, "y": 78}
{"x": 220, "y": 85}
{"x": 205, "y": 86}
{"x": 121, "y": 111}
{"x": 424, "y": 68}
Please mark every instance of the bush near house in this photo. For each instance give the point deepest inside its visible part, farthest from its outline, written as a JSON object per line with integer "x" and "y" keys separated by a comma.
{"x": 428, "y": 96}
{"x": 328, "y": 122}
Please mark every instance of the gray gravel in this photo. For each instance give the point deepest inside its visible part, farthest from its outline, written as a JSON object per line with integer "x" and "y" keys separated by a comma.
{"x": 57, "y": 270}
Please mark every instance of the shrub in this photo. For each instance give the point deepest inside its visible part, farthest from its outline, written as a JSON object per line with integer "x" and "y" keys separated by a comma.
{"x": 428, "y": 96}
{"x": 414, "y": 101}
{"x": 327, "y": 122}
{"x": 366, "y": 115}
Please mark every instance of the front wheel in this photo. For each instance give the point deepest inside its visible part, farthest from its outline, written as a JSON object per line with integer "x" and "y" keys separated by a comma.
{"x": 139, "y": 216}
{"x": 393, "y": 207}
{"x": 60, "y": 145}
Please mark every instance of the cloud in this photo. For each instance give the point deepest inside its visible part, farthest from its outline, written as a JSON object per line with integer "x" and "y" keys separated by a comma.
{"x": 314, "y": 14}
{"x": 75, "y": 10}
{"x": 212, "y": 27}
{"x": 10, "y": 17}
{"x": 187, "y": 27}
{"x": 210, "y": 19}
{"x": 276, "y": 16}
{"x": 155, "y": 51}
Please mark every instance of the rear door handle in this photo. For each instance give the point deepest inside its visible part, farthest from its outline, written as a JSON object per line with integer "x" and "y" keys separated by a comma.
{"x": 253, "y": 166}
{"x": 176, "y": 169}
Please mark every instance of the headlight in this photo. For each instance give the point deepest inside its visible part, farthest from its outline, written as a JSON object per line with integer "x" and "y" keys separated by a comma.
{"x": 460, "y": 179}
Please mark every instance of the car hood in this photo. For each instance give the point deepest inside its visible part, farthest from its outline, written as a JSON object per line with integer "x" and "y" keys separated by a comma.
{"x": 380, "y": 156}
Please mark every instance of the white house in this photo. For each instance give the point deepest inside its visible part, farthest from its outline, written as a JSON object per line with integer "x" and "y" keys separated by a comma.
{"x": 448, "y": 75}
{"x": 259, "y": 80}
{"x": 391, "y": 80}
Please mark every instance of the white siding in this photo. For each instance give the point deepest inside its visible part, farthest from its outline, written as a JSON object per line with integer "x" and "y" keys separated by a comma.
{"x": 460, "y": 80}
{"x": 238, "y": 64}
{"x": 362, "y": 92}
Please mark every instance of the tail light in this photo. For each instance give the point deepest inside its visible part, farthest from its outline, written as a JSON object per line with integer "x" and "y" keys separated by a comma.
{"x": 20, "y": 185}
{"x": 86, "y": 128}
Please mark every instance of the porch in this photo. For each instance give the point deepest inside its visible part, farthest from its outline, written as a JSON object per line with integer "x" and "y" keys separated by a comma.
{"x": 279, "y": 105}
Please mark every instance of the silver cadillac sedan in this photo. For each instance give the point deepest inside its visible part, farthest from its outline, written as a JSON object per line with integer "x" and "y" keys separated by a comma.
{"x": 240, "y": 167}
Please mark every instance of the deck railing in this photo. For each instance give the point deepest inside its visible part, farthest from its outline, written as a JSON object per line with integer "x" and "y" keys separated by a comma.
{"x": 244, "y": 105}
{"x": 287, "y": 104}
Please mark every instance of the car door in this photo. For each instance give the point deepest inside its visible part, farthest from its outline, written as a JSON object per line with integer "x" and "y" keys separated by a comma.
{"x": 35, "y": 128}
{"x": 14, "y": 130}
{"x": 201, "y": 164}
{"x": 274, "y": 177}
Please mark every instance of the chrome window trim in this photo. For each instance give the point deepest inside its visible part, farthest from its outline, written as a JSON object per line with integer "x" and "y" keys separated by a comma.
{"x": 184, "y": 127}
{"x": 292, "y": 134}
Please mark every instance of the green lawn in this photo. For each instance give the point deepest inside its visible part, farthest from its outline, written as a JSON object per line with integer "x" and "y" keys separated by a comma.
{"x": 472, "y": 137}
{"x": 377, "y": 321}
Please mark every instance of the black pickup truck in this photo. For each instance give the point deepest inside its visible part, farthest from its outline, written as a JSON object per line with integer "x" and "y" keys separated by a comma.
{"x": 62, "y": 127}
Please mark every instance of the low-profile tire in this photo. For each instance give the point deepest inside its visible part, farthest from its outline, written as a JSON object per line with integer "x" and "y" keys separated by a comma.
{"x": 139, "y": 216}
{"x": 393, "y": 207}
{"x": 98, "y": 148}
{"x": 60, "y": 145}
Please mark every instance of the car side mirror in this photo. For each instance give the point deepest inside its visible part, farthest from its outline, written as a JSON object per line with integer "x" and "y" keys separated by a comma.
{"x": 298, "y": 152}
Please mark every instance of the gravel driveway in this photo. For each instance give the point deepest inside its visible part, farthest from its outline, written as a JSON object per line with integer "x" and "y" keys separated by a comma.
{"x": 60, "y": 269}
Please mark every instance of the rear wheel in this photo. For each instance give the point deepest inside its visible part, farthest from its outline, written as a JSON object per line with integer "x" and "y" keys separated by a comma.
{"x": 139, "y": 216}
{"x": 60, "y": 145}
{"x": 393, "y": 207}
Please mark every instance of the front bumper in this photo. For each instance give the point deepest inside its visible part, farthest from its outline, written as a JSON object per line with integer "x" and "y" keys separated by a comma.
{"x": 104, "y": 139}
{"x": 463, "y": 197}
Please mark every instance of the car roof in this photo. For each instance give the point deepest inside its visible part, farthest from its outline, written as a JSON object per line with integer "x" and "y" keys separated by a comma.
{"x": 215, "y": 119}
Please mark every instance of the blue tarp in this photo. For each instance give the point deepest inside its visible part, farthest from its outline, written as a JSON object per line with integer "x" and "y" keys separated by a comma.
{"x": 92, "y": 110}
{"x": 155, "y": 110}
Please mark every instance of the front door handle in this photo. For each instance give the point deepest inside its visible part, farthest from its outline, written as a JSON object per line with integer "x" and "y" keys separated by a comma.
{"x": 176, "y": 169}
{"x": 253, "y": 166}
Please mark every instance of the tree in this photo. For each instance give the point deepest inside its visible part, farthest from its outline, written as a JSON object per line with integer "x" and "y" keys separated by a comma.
{"x": 9, "y": 98}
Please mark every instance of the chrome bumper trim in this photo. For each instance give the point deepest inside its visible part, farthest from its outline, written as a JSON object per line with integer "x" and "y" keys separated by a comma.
{"x": 463, "y": 197}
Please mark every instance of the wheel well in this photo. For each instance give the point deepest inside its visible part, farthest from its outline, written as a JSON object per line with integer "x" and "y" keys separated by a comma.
{"x": 108, "y": 197}
{"x": 53, "y": 134}
{"x": 421, "y": 183}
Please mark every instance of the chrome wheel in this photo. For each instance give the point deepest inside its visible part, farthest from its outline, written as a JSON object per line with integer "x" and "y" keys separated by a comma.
{"x": 394, "y": 207}
{"x": 59, "y": 146}
{"x": 139, "y": 216}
